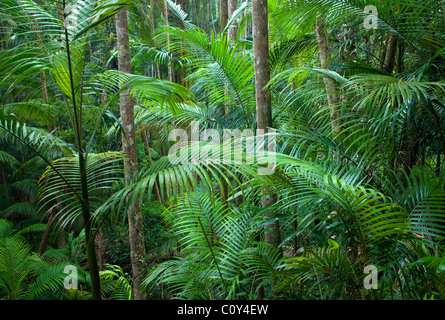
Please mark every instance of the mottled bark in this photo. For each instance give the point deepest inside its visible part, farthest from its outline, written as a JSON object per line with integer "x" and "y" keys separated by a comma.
{"x": 233, "y": 27}
{"x": 129, "y": 148}
{"x": 263, "y": 97}
{"x": 400, "y": 53}
{"x": 223, "y": 14}
{"x": 330, "y": 85}
{"x": 262, "y": 63}
{"x": 59, "y": 5}
{"x": 152, "y": 18}
{"x": 169, "y": 63}
{"x": 211, "y": 17}
{"x": 100, "y": 249}
{"x": 148, "y": 154}
{"x": 390, "y": 54}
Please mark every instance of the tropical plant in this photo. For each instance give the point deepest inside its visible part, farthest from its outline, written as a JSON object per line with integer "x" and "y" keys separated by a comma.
{"x": 358, "y": 179}
{"x": 26, "y": 275}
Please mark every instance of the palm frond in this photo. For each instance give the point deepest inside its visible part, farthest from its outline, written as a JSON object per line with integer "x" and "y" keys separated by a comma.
{"x": 102, "y": 171}
{"x": 8, "y": 159}
{"x": 225, "y": 75}
{"x": 422, "y": 198}
{"x": 14, "y": 265}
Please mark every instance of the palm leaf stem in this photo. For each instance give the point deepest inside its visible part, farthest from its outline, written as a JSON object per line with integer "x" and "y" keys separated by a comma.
{"x": 91, "y": 250}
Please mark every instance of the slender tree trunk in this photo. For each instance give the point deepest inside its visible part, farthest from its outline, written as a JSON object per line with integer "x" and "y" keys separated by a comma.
{"x": 52, "y": 221}
{"x": 382, "y": 58}
{"x": 330, "y": 85}
{"x": 2, "y": 175}
{"x": 262, "y": 63}
{"x": 185, "y": 5}
{"x": 390, "y": 54}
{"x": 233, "y": 27}
{"x": 205, "y": 23}
{"x": 211, "y": 17}
{"x": 148, "y": 154}
{"x": 169, "y": 66}
{"x": 2, "y": 37}
{"x": 100, "y": 249}
{"x": 46, "y": 99}
{"x": 245, "y": 28}
{"x": 129, "y": 148}
{"x": 223, "y": 14}
{"x": 263, "y": 97}
{"x": 44, "y": 88}
{"x": 263, "y": 104}
{"x": 152, "y": 13}
{"x": 44, "y": 241}
{"x": 295, "y": 239}
{"x": 89, "y": 237}
{"x": 42, "y": 73}
{"x": 85, "y": 203}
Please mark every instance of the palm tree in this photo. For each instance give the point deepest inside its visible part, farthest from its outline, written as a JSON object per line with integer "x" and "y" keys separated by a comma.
{"x": 136, "y": 235}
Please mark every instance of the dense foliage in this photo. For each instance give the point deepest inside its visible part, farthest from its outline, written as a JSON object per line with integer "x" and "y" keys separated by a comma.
{"x": 359, "y": 161}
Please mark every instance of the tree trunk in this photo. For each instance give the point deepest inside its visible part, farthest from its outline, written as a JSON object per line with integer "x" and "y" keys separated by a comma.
{"x": 262, "y": 63}
{"x": 169, "y": 66}
{"x": 148, "y": 154}
{"x": 263, "y": 97}
{"x": 390, "y": 54}
{"x": 211, "y": 17}
{"x": 44, "y": 241}
{"x": 83, "y": 181}
{"x": 129, "y": 148}
{"x": 330, "y": 85}
{"x": 223, "y": 14}
{"x": 3, "y": 175}
{"x": 233, "y": 27}
{"x": 152, "y": 12}
{"x": 46, "y": 99}
{"x": 2, "y": 37}
{"x": 263, "y": 104}
{"x": 89, "y": 237}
